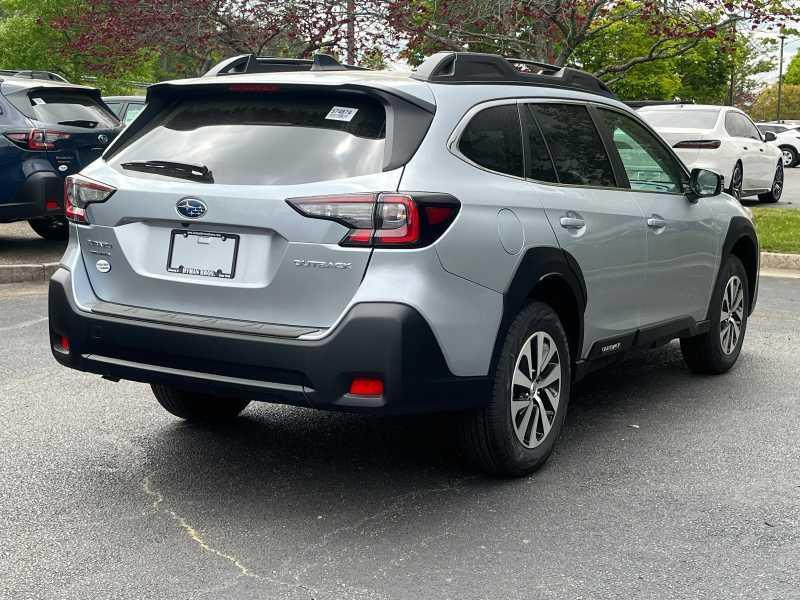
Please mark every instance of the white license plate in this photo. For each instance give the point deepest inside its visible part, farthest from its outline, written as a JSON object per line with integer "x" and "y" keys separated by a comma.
{"x": 203, "y": 253}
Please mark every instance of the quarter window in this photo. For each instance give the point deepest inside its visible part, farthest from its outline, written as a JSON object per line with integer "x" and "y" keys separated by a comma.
{"x": 575, "y": 145}
{"x": 648, "y": 164}
{"x": 493, "y": 140}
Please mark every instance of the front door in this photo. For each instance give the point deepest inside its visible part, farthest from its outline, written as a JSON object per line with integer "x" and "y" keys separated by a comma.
{"x": 681, "y": 240}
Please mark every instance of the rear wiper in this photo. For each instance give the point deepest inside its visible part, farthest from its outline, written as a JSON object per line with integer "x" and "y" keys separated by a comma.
{"x": 80, "y": 123}
{"x": 198, "y": 173}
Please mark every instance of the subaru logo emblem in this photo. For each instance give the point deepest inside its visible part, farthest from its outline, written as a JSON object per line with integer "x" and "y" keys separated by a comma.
{"x": 191, "y": 208}
{"x": 102, "y": 138}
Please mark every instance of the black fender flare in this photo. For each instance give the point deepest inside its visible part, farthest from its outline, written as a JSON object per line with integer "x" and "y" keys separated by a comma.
{"x": 537, "y": 266}
{"x": 741, "y": 228}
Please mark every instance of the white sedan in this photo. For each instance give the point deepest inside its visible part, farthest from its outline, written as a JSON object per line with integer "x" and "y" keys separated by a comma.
{"x": 722, "y": 139}
{"x": 788, "y": 140}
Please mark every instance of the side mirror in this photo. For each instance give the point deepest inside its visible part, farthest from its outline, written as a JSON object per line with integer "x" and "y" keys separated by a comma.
{"x": 704, "y": 183}
{"x": 769, "y": 136}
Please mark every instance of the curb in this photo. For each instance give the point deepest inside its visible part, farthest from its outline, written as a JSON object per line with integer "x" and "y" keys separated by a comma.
{"x": 775, "y": 260}
{"x": 43, "y": 272}
{"x": 26, "y": 273}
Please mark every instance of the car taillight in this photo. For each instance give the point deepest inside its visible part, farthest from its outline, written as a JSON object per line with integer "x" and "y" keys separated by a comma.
{"x": 707, "y": 144}
{"x": 396, "y": 220}
{"x": 79, "y": 192}
{"x": 37, "y": 139}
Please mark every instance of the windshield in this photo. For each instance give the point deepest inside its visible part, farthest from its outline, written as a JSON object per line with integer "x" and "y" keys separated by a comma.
{"x": 64, "y": 107}
{"x": 681, "y": 118}
{"x": 257, "y": 139}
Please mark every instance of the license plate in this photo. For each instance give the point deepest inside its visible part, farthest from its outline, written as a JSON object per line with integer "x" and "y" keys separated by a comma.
{"x": 203, "y": 253}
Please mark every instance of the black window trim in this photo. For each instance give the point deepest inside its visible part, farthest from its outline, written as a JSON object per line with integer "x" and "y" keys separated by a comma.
{"x": 455, "y": 137}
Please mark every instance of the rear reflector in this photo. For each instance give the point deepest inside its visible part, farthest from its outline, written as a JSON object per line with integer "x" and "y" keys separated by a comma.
{"x": 362, "y": 386}
{"x": 384, "y": 219}
{"x": 63, "y": 343}
{"x": 52, "y": 205}
{"x": 706, "y": 144}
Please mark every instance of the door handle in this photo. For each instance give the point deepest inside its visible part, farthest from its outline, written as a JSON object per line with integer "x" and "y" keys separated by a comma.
{"x": 744, "y": 147}
{"x": 572, "y": 223}
{"x": 760, "y": 149}
{"x": 656, "y": 222}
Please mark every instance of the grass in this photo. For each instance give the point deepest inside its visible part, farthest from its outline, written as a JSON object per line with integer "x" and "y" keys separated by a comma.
{"x": 778, "y": 229}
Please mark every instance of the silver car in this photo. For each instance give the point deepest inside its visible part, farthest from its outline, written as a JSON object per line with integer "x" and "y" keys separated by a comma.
{"x": 473, "y": 237}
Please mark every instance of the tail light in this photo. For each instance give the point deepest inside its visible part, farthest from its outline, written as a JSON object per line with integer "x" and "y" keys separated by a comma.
{"x": 37, "y": 139}
{"x": 79, "y": 192}
{"x": 395, "y": 220}
{"x": 705, "y": 144}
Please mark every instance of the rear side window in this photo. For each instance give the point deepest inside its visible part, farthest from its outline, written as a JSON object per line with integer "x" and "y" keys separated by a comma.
{"x": 281, "y": 138}
{"x": 68, "y": 108}
{"x": 576, "y": 147}
{"x": 493, "y": 140}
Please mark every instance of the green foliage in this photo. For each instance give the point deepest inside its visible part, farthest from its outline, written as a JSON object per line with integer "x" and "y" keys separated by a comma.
{"x": 792, "y": 75}
{"x": 778, "y": 229}
{"x": 765, "y": 108}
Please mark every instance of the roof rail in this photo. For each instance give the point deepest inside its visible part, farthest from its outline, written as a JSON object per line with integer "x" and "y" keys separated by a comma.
{"x": 250, "y": 63}
{"x": 33, "y": 74}
{"x": 474, "y": 67}
{"x": 643, "y": 103}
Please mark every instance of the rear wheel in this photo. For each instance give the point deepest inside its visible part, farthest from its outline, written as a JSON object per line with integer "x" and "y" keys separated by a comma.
{"x": 51, "y": 228}
{"x": 776, "y": 191}
{"x": 717, "y": 350}
{"x": 735, "y": 189}
{"x": 790, "y": 157}
{"x": 515, "y": 434}
{"x": 197, "y": 407}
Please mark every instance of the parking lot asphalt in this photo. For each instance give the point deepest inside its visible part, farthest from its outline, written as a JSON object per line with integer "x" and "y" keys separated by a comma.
{"x": 663, "y": 485}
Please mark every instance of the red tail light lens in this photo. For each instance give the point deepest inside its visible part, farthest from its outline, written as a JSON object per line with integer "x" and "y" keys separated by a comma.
{"x": 79, "y": 192}
{"x": 705, "y": 144}
{"x": 363, "y": 386}
{"x": 385, "y": 219}
{"x": 37, "y": 139}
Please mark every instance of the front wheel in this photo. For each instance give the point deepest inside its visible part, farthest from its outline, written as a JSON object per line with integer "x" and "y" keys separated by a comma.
{"x": 717, "y": 350}
{"x": 51, "y": 228}
{"x": 790, "y": 157}
{"x": 776, "y": 191}
{"x": 197, "y": 407}
{"x": 515, "y": 433}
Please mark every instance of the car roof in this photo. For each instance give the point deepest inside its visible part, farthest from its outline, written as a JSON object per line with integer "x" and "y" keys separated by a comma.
{"x": 11, "y": 83}
{"x": 668, "y": 107}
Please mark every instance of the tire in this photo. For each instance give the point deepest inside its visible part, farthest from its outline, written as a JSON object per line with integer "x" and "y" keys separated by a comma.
{"x": 737, "y": 177}
{"x": 51, "y": 228}
{"x": 494, "y": 440}
{"x": 790, "y": 157}
{"x": 197, "y": 407}
{"x": 713, "y": 352}
{"x": 777, "y": 187}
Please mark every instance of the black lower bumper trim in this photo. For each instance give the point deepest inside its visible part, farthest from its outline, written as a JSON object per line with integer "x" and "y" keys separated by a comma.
{"x": 383, "y": 340}
{"x": 31, "y": 201}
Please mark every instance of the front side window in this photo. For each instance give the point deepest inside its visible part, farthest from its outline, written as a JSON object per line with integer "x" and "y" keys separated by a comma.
{"x": 576, "y": 147}
{"x": 748, "y": 128}
{"x": 648, "y": 164}
{"x": 493, "y": 140}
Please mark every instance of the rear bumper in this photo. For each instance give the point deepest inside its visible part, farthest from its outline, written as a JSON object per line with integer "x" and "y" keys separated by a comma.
{"x": 385, "y": 340}
{"x": 42, "y": 195}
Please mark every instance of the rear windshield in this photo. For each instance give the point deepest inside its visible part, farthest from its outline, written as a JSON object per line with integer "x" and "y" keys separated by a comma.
{"x": 68, "y": 108}
{"x": 266, "y": 138}
{"x": 681, "y": 118}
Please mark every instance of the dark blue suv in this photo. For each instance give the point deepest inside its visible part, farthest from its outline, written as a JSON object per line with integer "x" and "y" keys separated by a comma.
{"x": 48, "y": 130}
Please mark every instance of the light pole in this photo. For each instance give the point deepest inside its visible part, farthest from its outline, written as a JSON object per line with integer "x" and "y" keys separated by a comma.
{"x": 780, "y": 78}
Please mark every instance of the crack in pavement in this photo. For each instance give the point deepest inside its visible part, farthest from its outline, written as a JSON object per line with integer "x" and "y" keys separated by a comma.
{"x": 196, "y": 537}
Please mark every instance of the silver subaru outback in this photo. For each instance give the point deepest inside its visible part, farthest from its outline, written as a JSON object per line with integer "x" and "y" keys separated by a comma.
{"x": 472, "y": 237}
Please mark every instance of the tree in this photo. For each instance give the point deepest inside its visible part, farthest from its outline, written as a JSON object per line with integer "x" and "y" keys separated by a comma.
{"x": 190, "y": 35}
{"x": 792, "y": 75}
{"x": 555, "y": 29}
{"x": 766, "y": 105}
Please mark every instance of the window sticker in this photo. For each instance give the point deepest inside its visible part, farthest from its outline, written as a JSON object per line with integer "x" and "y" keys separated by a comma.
{"x": 37, "y": 101}
{"x": 342, "y": 113}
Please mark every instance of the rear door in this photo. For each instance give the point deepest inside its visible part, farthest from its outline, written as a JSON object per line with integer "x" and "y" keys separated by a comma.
{"x": 748, "y": 145}
{"x": 601, "y": 226}
{"x": 166, "y": 233}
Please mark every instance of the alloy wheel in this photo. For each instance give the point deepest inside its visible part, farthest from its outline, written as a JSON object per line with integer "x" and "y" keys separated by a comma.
{"x": 535, "y": 389}
{"x": 788, "y": 158}
{"x": 732, "y": 315}
{"x": 777, "y": 184}
{"x": 736, "y": 183}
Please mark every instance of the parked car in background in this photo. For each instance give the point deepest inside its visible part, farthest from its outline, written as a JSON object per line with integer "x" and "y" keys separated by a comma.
{"x": 788, "y": 140}
{"x": 48, "y": 130}
{"x": 722, "y": 139}
{"x": 127, "y": 108}
{"x": 29, "y": 74}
